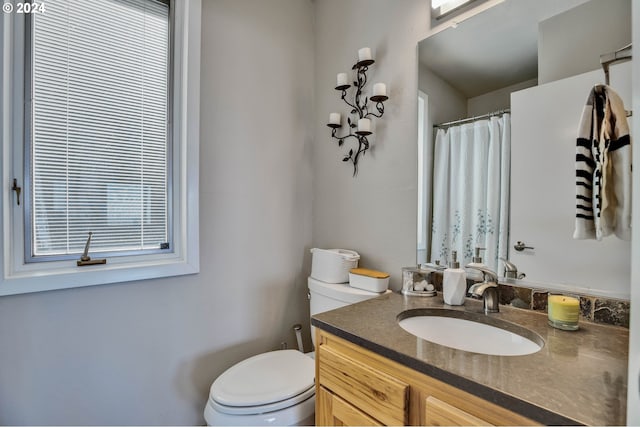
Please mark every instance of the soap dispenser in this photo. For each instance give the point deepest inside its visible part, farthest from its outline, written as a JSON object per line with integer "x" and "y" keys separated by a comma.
{"x": 454, "y": 282}
{"x": 477, "y": 265}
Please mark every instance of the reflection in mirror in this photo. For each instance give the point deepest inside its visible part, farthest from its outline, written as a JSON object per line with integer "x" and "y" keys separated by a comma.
{"x": 471, "y": 189}
{"x": 529, "y": 58}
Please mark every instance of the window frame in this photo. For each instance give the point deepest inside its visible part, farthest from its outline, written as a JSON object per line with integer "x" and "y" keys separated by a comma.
{"x": 456, "y": 11}
{"x": 17, "y": 276}
{"x": 27, "y": 175}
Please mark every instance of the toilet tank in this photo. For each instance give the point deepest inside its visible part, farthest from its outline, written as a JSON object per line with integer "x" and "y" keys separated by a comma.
{"x": 329, "y": 296}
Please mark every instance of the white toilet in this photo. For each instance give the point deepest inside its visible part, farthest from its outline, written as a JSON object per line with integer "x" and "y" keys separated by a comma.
{"x": 277, "y": 388}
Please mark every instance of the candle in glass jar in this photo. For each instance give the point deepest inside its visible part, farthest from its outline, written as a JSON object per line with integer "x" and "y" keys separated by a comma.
{"x": 364, "y": 125}
{"x": 364, "y": 54}
{"x": 335, "y": 118}
{"x": 342, "y": 79}
{"x": 563, "y": 311}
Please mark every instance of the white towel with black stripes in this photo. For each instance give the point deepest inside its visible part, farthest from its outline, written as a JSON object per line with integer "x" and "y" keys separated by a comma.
{"x": 603, "y": 168}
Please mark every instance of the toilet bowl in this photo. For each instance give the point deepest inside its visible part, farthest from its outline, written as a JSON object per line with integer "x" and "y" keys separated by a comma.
{"x": 277, "y": 387}
{"x": 274, "y": 388}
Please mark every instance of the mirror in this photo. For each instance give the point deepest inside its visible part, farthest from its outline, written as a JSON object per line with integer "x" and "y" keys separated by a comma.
{"x": 538, "y": 60}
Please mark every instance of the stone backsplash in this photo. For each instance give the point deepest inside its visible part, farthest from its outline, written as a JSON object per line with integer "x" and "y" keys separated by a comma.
{"x": 592, "y": 308}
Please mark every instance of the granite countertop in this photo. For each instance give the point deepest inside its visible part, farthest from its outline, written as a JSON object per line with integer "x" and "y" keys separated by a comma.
{"x": 576, "y": 378}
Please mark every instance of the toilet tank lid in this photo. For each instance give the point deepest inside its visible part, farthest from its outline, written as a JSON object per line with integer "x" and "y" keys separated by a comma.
{"x": 265, "y": 378}
{"x": 340, "y": 291}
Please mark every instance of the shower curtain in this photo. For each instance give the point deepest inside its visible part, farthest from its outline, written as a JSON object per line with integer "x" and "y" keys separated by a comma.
{"x": 471, "y": 191}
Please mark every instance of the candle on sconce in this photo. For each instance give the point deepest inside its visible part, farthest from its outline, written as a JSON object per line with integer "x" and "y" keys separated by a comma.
{"x": 379, "y": 89}
{"x": 364, "y": 54}
{"x": 364, "y": 125}
{"x": 334, "y": 118}
{"x": 342, "y": 79}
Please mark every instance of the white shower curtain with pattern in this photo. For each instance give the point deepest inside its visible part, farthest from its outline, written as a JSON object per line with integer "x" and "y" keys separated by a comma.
{"x": 471, "y": 191}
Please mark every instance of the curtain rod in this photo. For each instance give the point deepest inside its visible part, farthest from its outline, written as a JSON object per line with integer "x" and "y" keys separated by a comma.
{"x": 471, "y": 119}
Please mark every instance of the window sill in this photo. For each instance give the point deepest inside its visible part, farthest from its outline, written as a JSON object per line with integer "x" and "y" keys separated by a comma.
{"x": 65, "y": 275}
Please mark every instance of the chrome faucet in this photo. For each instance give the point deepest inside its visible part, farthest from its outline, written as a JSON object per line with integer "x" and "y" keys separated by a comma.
{"x": 488, "y": 275}
{"x": 510, "y": 270}
{"x": 487, "y": 289}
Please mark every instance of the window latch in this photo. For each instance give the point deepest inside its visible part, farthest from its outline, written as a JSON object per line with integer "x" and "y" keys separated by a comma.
{"x": 17, "y": 189}
{"x": 85, "y": 259}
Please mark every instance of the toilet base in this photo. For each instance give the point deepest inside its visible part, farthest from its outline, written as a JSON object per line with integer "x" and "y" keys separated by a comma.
{"x": 302, "y": 414}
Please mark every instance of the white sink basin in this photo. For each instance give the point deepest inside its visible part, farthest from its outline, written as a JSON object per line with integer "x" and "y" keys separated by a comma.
{"x": 477, "y": 333}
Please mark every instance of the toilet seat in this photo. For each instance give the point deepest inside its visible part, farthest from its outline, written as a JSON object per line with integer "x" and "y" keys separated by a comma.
{"x": 264, "y": 383}
{"x": 262, "y": 409}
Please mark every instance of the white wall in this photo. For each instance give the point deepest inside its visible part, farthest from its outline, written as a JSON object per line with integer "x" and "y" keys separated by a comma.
{"x": 571, "y": 43}
{"x": 499, "y": 99}
{"x": 375, "y": 212}
{"x": 445, "y": 102}
{"x": 145, "y": 353}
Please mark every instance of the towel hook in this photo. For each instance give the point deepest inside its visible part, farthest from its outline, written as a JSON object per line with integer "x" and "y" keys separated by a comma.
{"x": 622, "y": 54}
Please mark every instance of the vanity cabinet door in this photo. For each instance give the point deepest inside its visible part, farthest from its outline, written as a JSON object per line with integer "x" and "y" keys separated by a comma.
{"x": 445, "y": 404}
{"x": 331, "y": 410}
{"x": 376, "y": 393}
{"x": 439, "y": 413}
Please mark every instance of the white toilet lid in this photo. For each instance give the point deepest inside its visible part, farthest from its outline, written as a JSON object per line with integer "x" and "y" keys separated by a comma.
{"x": 265, "y": 378}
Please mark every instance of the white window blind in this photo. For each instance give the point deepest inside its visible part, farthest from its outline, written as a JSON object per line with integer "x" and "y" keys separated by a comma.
{"x": 99, "y": 137}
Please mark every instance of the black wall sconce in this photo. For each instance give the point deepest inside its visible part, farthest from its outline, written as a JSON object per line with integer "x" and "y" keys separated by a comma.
{"x": 360, "y": 127}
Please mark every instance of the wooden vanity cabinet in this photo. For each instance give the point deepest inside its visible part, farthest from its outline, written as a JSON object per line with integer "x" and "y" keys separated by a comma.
{"x": 355, "y": 386}
{"x": 331, "y": 410}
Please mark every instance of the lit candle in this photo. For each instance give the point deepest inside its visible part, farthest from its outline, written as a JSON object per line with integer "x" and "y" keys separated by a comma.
{"x": 342, "y": 79}
{"x": 334, "y": 119}
{"x": 379, "y": 89}
{"x": 364, "y": 54}
{"x": 563, "y": 311}
{"x": 364, "y": 125}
